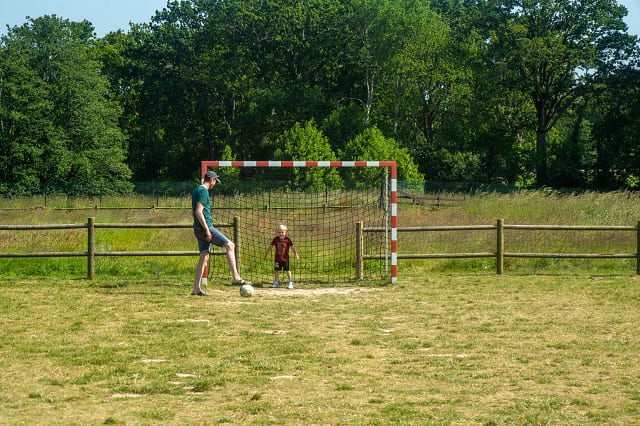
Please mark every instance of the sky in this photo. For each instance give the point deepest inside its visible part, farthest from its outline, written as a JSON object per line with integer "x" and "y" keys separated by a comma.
{"x": 112, "y": 15}
{"x": 105, "y": 15}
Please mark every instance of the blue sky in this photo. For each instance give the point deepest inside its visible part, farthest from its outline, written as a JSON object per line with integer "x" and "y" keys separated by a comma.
{"x": 111, "y": 15}
{"x": 105, "y": 15}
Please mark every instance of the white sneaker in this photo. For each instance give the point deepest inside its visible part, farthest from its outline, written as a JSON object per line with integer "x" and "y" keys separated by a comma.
{"x": 290, "y": 284}
{"x": 275, "y": 284}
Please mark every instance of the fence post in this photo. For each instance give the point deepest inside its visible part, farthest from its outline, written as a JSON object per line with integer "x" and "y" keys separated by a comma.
{"x": 638, "y": 249}
{"x": 359, "y": 250}
{"x": 499, "y": 246}
{"x": 236, "y": 239}
{"x": 91, "y": 248}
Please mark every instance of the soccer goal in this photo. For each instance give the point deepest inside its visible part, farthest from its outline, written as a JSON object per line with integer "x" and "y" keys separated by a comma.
{"x": 336, "y": 211}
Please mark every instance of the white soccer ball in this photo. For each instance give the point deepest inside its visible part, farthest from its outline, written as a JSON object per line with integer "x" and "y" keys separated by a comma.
{"x": 246, "y": 290}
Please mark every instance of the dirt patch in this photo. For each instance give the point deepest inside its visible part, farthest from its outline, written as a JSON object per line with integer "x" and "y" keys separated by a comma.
{"x": 311, "y": 291}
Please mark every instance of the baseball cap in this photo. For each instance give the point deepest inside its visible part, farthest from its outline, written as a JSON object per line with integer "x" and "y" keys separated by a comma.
{"x": 212, "y": 174}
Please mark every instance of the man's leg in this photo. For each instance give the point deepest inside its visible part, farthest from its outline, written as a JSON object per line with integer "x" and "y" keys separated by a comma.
{"x": 231, "y": 260}
{"x": 204, "y": 257}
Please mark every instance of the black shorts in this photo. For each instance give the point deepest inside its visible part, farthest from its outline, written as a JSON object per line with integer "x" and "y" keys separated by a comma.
{"x": 281, "y": 266}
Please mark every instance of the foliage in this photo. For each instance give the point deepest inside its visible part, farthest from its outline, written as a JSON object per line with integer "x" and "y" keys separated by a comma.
{"x": 616, "y": 131}
{"x": 371, "y": 145}
{"x": 446, "y": 166}
{"x": 307, "y": 143}
{"x": 57, "y": 122}
{"x": 507, "y": 91}
{"x": 550, "y": 49}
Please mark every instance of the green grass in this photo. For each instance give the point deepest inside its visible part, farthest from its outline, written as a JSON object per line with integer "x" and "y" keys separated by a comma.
{"x": 549, "y": 342}
{"x": 433, "y": 349}
{"x": 525, "y": 207}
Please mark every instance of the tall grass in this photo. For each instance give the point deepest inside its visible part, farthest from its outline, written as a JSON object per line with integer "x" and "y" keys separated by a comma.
{"x": 532, "y": 207}
{"x": 527, "y": 207}
{"x": 524, "y": 207}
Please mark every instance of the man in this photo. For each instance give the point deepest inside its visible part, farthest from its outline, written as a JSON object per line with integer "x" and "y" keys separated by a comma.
{"x": 206, "y": 234}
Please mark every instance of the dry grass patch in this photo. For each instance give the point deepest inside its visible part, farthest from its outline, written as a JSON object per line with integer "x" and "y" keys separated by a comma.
{"x": 435, "y": 349}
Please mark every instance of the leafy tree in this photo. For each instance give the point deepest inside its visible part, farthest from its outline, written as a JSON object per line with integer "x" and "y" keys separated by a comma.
{"x": 550, "y": 49}
{"x": 496, "y": 130}
{"x": 497, "y": 90}
{"x": 458, "y": 166}
{"x": 25, "y": 110}
{"x": 208, "y": 75}
{"x": 307, "y": 143}
{"x": 616, "y": 130}
{"x": 372, "y": 145}
{"x": 57, "y": 122}
{"x": 423, "y": 74}
{"x": 296, "y": 55}
{"x": 168, "y": 112}
{"x": 343, "y": 124}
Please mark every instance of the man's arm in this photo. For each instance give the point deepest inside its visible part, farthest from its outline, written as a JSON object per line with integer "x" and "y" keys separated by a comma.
{"x": 201, "y": 219}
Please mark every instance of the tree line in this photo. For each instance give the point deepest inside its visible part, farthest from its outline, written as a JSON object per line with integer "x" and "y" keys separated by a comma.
{"x": 520, "y": 92}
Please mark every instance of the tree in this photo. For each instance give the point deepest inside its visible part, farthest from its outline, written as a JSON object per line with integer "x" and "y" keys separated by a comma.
{"x": 25, "y": 121}
{"x": 168, "y": 109}
{"x": 307, "y": 143}
{"x": 424, "y": 76}
{"x": 58, "y": 123}
{"x": 372, "y": 145}
{"x": 296, "y": 64}
{"x": 551, "y": 49}
{"x": 616, "y": 130}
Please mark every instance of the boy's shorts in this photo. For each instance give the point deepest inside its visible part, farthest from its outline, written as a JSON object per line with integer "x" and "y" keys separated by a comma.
{"x": 217, "y": 238}
{"x": 281, "y": 266}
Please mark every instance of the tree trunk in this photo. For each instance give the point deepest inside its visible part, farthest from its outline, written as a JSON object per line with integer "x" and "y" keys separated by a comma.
{"x": 541, "y": 157}
{"x": 541, "y": 144}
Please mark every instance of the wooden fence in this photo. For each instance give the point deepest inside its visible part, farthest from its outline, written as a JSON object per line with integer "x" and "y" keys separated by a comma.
{"x": 500, "y": 254}
{"x": 91, "y": 252}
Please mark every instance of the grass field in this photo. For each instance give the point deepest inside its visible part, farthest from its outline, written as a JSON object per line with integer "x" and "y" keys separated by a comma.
{"x": 433, "y": 349}
{"x": 550, "y": 342}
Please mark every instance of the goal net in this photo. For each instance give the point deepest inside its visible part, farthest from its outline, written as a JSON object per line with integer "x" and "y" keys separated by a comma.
{"x": 323, "y": 204}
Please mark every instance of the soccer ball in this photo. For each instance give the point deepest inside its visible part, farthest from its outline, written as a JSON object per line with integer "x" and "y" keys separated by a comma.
{"x": 246, "y": 290}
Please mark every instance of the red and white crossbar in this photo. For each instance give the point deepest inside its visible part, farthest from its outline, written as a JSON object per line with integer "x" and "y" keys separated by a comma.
{"x": 394, "y": 185}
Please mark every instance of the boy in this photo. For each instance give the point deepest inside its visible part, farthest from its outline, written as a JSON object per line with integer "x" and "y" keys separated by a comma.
{"x": 282, "y": 243}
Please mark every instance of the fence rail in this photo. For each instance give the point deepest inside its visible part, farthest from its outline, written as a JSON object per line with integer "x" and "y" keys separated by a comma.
{"x": 500, "y": 254}
{"x": 91, "y": 252}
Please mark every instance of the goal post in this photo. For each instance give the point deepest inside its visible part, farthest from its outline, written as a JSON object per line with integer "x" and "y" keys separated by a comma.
{"x": 290, "y": 204}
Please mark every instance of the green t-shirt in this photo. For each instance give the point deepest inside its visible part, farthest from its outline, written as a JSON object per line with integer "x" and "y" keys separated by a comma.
{"x": 200, "y": 194}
